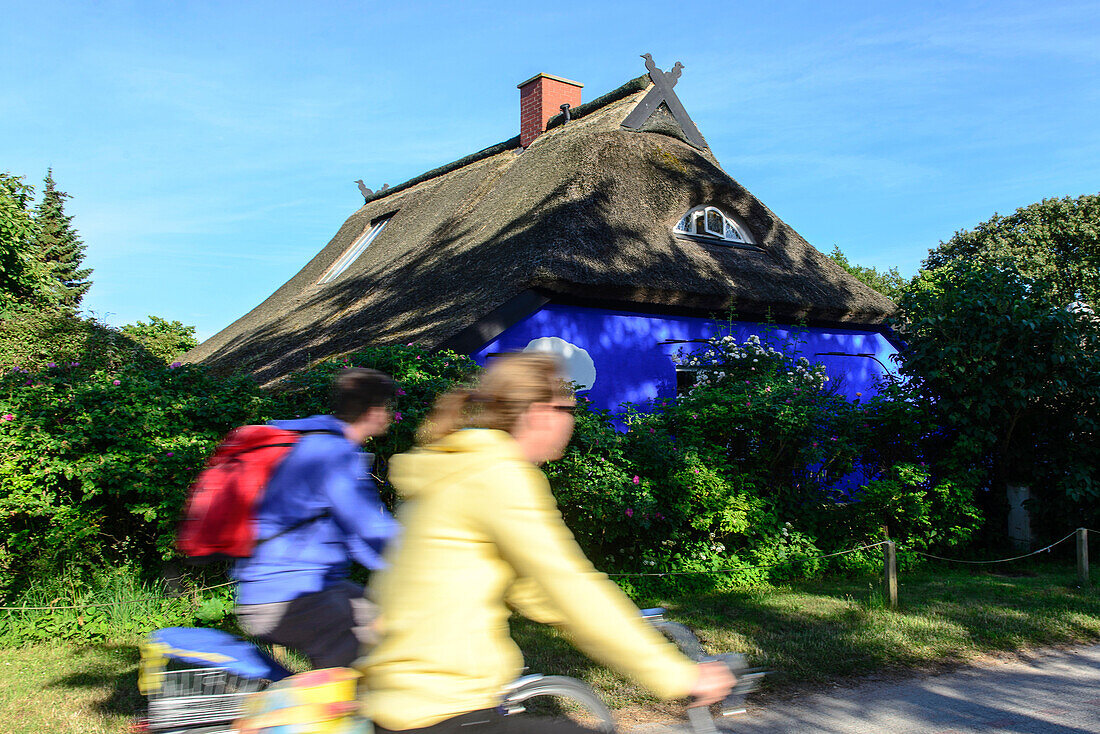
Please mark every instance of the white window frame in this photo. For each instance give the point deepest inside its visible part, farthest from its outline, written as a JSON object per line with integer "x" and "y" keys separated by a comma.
{"x": 353, "y": 252}
{"x": 732, "y": 230}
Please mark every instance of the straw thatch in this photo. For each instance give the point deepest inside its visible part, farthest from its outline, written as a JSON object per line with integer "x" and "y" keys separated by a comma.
{"x": 586, "y": 213}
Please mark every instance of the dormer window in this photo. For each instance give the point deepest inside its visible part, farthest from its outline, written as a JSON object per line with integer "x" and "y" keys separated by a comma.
{"x": 356, "y": 249}
{"x": 711, "y": 223}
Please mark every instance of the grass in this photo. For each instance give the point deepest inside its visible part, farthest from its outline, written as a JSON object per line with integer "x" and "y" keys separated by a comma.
{"x": 54, "y": 688}
{"x": 813, "y": 632}
{"x": 807, "y": 632}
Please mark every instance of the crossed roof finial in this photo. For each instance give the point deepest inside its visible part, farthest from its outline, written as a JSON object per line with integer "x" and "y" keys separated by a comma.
{"x": 662, "y": 91}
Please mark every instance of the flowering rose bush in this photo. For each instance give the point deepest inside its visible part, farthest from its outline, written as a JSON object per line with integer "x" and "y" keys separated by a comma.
{"x": 93, "y": 463}
{"x": 743, "y": 471}
{"x": 757, "y": 467}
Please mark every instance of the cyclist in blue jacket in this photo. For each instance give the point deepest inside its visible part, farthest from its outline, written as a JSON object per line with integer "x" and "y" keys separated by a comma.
{"x": 319, "y": 512}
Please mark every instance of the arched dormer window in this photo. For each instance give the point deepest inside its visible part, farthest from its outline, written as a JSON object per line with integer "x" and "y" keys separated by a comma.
{"x": 711, "y": 223}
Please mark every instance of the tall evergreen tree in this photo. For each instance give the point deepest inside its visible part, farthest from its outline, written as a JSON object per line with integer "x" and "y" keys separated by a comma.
{"x": 60, "y": 248}
{"x": 21, "y": 274}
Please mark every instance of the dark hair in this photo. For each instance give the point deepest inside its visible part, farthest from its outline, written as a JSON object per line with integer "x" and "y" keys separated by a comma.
{"x": 357, "y": 390}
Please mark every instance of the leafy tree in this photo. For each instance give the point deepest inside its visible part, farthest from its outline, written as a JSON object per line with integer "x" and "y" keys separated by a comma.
{"x": 164, "y": 339}
{"x": 21, "y": 276}
{"x": 1012, "y": 374}
{"x": 59, "y": 248}
{"x": 1055, "y": 240}
{"x": 1002, "y": 336}
{"x": 889, "y": 283}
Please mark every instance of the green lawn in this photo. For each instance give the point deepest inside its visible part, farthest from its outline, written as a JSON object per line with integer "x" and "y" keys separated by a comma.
{"x": 807, "y": 632}
{"x": 813, "y": 632}
{"x": 92, "y": 690}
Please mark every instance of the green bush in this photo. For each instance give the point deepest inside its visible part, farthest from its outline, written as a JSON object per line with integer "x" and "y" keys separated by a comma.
{"x": 166, "y": 340}
{"x": 95, "y": 462}
{"x": 32, "y": 339}
{"x": 748, "y": 471}
{"x": 742, "y": 472}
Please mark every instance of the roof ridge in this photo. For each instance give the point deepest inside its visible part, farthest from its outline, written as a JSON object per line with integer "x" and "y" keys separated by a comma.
{"x": 447, "y": 168}
{"x": 632, "y": 86}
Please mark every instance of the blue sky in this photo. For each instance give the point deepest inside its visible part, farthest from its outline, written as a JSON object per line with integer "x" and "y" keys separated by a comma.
{"x": 211, "y": 148}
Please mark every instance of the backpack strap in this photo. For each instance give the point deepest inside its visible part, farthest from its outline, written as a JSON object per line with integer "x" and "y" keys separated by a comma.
{"x": 308, "y": 520}
{"x": 291, "y": 528}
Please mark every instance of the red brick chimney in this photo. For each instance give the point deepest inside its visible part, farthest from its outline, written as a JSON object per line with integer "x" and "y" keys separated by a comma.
{"x": 540, "y": 98}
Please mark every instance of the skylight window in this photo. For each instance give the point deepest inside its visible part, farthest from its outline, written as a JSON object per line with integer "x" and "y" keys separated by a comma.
{"x": 711, "y": 223}
{"x": 352, "y": 253}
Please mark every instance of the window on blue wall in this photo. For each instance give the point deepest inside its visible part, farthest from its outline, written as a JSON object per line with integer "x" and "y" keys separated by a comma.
{"x": 710, "y": 222}
{"x": 357, "y": 248}
{"x": 685, "y": 378}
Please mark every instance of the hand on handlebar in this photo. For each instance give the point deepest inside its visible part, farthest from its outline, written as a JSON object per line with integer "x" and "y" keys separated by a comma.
{"x": 714, "y": 683}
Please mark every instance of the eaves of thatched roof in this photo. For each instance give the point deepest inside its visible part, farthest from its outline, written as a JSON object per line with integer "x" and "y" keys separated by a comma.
{"x": 585, "y": 213}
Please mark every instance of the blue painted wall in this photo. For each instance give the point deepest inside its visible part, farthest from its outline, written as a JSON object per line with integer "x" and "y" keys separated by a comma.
{"x": 632, "y": 365}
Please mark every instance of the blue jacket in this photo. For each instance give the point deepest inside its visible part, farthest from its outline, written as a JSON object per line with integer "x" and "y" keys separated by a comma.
{"x": 323, "y": 473}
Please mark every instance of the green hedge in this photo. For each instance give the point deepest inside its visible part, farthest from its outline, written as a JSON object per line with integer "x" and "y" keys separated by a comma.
{"x": 95, "y": 462}
{"x": 740, "y": 472}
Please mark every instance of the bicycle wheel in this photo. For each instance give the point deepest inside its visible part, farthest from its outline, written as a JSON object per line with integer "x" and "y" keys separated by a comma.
{"x": 562, "y": 687}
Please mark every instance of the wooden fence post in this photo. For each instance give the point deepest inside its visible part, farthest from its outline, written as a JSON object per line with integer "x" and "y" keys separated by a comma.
{"x": 1083, "y": 557}
{"x": 890, "y": 573}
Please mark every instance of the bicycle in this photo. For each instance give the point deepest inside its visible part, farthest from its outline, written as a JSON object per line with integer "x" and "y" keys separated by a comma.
{"x": 208, "y": 698}
{"x": 700, "y": 719}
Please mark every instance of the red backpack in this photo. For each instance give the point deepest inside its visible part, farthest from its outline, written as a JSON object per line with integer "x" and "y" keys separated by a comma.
{"x": 219, "y": 518}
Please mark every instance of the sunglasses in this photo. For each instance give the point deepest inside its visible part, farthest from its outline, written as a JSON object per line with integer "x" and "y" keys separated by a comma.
{"x": 570, "y": 409}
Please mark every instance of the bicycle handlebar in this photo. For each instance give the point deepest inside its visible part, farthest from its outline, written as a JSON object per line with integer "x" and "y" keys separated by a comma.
{"x": 748, "y": 679}
{"x": 699, "y": 717}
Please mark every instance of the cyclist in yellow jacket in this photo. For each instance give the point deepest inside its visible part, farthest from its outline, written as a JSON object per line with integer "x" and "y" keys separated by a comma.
{"x": 482, "y": 533}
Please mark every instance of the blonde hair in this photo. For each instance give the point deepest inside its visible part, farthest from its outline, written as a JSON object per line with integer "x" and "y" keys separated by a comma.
{"x": 504, "y": 391}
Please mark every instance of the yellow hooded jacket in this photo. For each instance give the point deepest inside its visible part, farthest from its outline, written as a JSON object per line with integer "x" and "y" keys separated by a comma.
{"x": 482, "y": 531}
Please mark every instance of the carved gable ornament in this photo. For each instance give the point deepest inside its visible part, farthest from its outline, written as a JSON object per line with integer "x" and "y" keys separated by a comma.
{"x": 663, "y": 82}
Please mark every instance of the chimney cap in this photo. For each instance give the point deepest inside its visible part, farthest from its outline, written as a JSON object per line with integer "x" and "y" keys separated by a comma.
{"x": 549, "y": 76}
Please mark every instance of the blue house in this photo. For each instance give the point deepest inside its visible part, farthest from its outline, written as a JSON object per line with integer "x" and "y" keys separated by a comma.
{"x": 606, "y": 232}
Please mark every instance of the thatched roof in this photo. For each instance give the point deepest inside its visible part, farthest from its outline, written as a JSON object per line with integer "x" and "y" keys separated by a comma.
{"x": 586, "y": 212}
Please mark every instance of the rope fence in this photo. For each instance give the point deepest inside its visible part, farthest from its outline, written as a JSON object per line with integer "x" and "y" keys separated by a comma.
{"x": 801, "y": 559}
{"x": 889, "y": 571}
{"x": 998, "y": 560}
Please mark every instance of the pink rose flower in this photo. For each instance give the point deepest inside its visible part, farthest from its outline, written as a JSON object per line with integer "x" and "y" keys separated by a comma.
{"x": 630, "y": 512}
{"x": 116, "y": 382}
{"x": 636, "y": 479}
{"x": 397, "y": 417}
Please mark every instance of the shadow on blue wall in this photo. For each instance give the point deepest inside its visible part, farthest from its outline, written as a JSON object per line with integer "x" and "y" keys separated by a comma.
{"x": 634, "y": 359}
